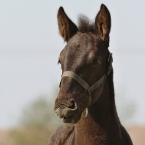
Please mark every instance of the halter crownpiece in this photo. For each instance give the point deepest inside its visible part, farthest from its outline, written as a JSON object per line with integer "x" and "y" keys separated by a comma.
{"x": 88, "y": 88}
{"x": 110, "y": 61}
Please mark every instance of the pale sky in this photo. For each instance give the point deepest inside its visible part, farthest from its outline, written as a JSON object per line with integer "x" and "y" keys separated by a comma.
{"x": 30, "y": 46}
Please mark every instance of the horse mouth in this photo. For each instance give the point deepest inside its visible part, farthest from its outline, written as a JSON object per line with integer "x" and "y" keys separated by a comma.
{"x": 68, "y": 115}
{"x": 67, "y": 120}
{"x": 71, "y": 119}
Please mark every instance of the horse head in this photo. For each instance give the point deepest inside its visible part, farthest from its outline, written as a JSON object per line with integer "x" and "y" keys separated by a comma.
{"x": 85, "y": 63}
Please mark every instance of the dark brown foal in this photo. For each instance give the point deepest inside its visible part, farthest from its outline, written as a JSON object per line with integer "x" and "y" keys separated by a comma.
{"x": 86, "y": 98}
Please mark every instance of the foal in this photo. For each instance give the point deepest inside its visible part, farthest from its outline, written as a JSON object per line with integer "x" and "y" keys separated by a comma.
{"x": 86, "y": 98}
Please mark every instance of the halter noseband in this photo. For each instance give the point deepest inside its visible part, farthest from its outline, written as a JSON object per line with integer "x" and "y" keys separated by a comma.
{"x": 88, "y": 88}
{"x": 83, "y": 83}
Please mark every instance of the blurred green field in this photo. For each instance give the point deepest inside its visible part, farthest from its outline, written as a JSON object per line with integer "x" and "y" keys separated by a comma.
{"x": 38, "y": 122}
{"x": 35, "y": 126}
{"x": 40, "y": 136}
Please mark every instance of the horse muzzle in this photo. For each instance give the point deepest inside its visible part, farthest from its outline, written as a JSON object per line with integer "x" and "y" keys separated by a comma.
{"x": 68, "y": 115}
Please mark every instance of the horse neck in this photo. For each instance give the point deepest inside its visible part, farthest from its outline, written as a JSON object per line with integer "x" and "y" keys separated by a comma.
{"x": 102, "y": 114}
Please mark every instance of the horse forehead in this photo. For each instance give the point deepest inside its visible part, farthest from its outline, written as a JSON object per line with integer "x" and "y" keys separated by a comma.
{"x": 81, "y": 40}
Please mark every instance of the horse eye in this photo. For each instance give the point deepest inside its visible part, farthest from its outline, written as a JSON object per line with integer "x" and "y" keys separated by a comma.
{"x": 97, "y": 61}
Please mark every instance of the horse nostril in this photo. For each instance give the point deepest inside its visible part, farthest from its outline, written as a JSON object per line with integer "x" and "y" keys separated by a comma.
{"x": 73, "y": 105}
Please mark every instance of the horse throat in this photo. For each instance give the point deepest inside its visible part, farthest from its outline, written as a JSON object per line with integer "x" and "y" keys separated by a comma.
{"x": 102, "y": 115}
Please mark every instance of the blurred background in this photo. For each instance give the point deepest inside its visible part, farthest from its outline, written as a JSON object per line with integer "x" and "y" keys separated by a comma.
{"x": 29, "y": 74}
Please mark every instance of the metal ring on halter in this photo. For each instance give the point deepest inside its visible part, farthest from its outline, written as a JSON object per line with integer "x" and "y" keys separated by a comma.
{"x": 86, "y": 113}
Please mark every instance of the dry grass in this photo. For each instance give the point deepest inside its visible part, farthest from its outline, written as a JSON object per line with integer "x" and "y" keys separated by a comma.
{"x": 5, "y": 138}
{"x": 26, "y": 136}
{"x": 137, "y": 134}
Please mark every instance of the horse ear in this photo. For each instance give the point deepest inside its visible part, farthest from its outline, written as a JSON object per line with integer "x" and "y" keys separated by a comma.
{"x": 66, "y": 27}
{"x": 103, "y": 23}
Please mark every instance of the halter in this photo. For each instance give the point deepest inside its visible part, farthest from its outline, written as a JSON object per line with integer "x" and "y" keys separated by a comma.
{"x": 97, "y": 84}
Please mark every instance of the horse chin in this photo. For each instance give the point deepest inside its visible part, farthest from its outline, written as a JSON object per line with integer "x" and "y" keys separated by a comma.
{"x": 72, "y": 119}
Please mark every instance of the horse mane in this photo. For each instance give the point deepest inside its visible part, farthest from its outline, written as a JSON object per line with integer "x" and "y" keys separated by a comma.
{"x": 85, "y": 25}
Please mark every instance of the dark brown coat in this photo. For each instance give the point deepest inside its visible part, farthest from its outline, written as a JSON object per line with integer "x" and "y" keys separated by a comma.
{"x": 87, "y": 55}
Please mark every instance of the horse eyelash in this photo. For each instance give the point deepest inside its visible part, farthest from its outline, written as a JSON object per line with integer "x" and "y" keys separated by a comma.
{"x": 99, "y": 61}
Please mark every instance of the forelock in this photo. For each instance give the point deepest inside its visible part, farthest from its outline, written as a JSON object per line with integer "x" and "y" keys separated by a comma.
{"x": 85, "y": 25}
